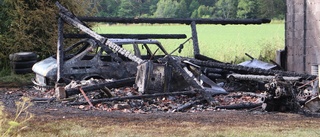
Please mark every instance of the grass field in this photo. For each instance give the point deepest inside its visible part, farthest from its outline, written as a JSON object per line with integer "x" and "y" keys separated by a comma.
{"x": 225, "y": 43}
{"x": 165, "y": 128}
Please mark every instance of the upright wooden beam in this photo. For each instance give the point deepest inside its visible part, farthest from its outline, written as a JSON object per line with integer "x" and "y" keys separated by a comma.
{"x": 196, "y": 49}
{"x": 60, "y": 54}
{"x": 304, "y": 36}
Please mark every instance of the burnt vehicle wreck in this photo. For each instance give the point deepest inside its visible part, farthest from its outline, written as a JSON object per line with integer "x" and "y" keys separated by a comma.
{"x": 88, "y": 59}
{"x": 201, "y": 81}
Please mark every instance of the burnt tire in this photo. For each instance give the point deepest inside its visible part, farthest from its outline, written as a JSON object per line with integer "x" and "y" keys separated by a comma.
{"x": 22, "y": 65}
{"x": 23, "y": 56}
{"x": 22, "y": 71}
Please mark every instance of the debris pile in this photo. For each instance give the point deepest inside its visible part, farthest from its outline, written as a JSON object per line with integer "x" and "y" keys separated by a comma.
{"x": 176, "y": 103}
{"x": 174, "y": 84}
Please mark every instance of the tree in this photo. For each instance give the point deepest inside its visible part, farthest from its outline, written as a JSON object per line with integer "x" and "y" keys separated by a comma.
{"x": 204, "y": 11}
{"x": 4, "y": 17}
{"x": 33, "y": 26}
{"x": 108, "y": 8}
{"x": 280, "y": 9}
{"x": 247, "y": 9}
{"x": 226, "y": 9}
{"x": 208, "y": 2}
{"x": 127, "y": 8}
{"x": 148, "y": 7}
{"x": 166, "y": 9}
{"x": 136, "y": 8}
{"x": 193, "y": 8}
{"x": 271, "y": 9}
{"x": 182, "y": 10}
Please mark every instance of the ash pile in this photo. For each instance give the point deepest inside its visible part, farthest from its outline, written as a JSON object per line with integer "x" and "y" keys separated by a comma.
{"x": 173, "y": 84}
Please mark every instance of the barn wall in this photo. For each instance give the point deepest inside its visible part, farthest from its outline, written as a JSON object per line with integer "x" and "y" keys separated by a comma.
{"x": 302, "y": 34}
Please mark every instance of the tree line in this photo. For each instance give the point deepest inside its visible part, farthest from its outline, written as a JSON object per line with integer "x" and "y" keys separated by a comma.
{"x": 224, "y": 9}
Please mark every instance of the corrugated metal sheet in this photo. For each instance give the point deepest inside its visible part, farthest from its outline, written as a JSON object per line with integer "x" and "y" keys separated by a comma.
{"x": 302, "y": 34}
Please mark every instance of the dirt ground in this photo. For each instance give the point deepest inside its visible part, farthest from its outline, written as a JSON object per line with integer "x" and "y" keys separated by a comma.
{"x": 56, "y": 111}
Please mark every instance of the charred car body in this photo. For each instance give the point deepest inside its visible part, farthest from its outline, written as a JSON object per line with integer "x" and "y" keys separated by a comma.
{"x": 88, "y": 59}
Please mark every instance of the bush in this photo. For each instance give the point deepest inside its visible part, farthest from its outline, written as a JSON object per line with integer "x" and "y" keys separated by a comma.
{"x": 33, "y": 26}
{"x": 269, "y": 49}
{"x": 12, "y": 127}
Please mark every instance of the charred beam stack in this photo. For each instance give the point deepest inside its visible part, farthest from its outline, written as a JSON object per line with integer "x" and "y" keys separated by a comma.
{"x": 249, "y": 70}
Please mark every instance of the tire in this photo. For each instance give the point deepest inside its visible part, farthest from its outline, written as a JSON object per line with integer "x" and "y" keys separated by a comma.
{"x": 22, "y": 65}
{"x": 23, "y": 56}
{"x": 22, "y": 71}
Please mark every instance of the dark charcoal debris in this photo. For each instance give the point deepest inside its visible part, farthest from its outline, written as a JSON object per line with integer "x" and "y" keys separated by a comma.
{"x": 177, "y": 103}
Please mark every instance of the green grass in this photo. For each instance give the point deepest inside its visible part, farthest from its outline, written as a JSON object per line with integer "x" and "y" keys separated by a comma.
{"x": 8, "y": 78}
{"x": 85, "y": 127}
{"x": 225, "y": 43}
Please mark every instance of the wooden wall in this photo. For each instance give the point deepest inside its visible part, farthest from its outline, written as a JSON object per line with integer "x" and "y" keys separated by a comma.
{"x": 302, "y": 35}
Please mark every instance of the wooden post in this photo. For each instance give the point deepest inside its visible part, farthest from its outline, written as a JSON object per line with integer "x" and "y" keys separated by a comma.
{"x": 60, "y": 54}
{"x": 196, "y": 49}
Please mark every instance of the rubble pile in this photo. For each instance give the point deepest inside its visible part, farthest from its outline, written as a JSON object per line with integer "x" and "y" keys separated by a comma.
{"x": 178, "y": 103}
{"x": 147, "y": 83}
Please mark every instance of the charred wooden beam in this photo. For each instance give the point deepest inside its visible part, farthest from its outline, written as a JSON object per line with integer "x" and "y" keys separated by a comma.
{"x": 131, "y": 36}
{"x": 260, "y": 77}
{"x": 175, "y": 20}
{"x": 194, "y": 33}
{"x": 214, "y": 76}
{"x": 60, "y": 46}
{"x": 44, "y": 100}
{"x": 247, "y": 105}
{"x": 191, "y": 80}
{"x": 189, "y": 104}
{"x": 177, "y": 67}
{"x": 95, "y": 101}
{"x": 113, "y": 84}
{"x": 214, "y": 70}
{"x": 86, "y": 97}
{"x": 247, "y": 94}
{"x": 205, "y": 58}
{"x": 278, "y": 65}
{"x": 71, "y": 19}
{"x": 249, "y": 70}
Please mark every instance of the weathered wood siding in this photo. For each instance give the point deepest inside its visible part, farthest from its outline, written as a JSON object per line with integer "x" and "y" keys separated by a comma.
{"x": 302, "y": 34}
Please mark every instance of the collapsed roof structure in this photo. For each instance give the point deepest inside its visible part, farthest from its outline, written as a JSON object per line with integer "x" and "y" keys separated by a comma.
{"x": 202, "y": 77}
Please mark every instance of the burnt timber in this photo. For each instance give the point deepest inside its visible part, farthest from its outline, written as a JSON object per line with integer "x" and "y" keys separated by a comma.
{"x": 247, "y": 70}
{"x": 130, "y": 36}
{"x": 187, "y": 21}
{"x": 113, "y": 84}
{"x": 155, "y": 95}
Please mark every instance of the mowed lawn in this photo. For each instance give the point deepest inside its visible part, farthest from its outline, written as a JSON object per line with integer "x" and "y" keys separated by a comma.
{"x": 225, "y": 43}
